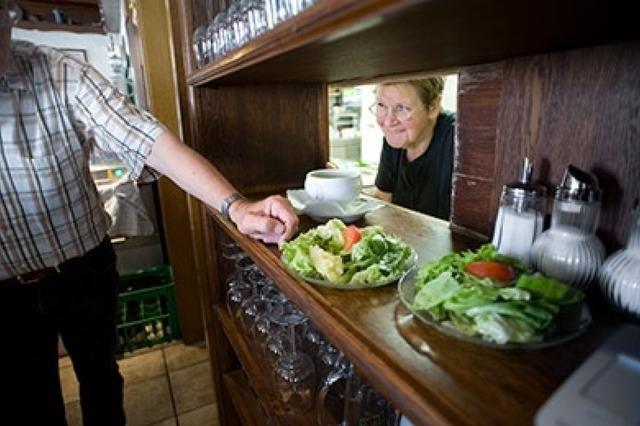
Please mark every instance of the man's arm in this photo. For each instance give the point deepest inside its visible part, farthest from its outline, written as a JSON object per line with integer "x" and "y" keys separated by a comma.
{"x": 271, "y": 219}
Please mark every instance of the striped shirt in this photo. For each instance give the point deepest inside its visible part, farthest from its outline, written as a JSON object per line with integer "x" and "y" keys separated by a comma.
{"x": 53, "y": 111}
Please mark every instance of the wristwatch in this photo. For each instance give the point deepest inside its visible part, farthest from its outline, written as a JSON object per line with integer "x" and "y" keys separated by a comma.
{"x": 226, "y": 204}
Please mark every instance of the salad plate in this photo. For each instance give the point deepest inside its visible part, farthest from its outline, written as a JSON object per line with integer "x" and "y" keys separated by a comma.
{"x": 357, "y": 286}
{"x": 570, "y": 322}
{"x": 345, "y": 257}
{"x": 322, "y": 211}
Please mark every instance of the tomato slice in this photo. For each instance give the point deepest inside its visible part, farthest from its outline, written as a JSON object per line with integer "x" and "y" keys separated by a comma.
{"x": 351, "y": 235}
{"x": 489, "y": 269}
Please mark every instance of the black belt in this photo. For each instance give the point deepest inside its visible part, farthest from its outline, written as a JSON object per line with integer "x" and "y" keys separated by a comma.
{"x": 52, "y": 271}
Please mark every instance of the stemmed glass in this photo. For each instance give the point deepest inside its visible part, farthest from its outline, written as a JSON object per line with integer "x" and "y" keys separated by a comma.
{"x": 264, "y": 328}
{"x": 327, "y": 358}
{"x": 256, "y": 16}
{"x": 254, "y": 304}
{"x": 294, "y": 375}
{"x": 198, "y": 43}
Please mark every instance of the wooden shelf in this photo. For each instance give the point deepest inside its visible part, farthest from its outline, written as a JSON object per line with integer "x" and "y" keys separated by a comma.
{"x": 244, "y": 399}
{"x": 337, "y": 40}
{"x": 537, "y": 78}
{"x": 431, "y": 377}
{"x": 256, "y": 374}
{"x": 50, "y": 26}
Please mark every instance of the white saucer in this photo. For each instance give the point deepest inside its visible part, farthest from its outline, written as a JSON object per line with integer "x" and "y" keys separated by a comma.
{"x": 321, "y": 211}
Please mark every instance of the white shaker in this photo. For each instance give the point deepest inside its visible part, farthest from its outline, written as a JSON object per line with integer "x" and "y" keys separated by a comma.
{"x": 620, "y": 274}
{"x": 570, "y": 251}
{"x": 520, "y": 216}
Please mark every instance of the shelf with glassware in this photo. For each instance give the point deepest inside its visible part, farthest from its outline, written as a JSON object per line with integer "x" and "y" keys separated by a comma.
{"x": 429, "y": 376}
{"x": 334, "y": 40}
{"x": 296, "y": 373}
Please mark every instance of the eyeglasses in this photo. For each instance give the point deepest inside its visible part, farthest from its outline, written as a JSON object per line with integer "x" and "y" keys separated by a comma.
{"x": 400, "y": 112}
{"x": 10, "y": 13}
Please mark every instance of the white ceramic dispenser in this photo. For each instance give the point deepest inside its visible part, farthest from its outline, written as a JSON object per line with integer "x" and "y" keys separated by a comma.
{"x": 570, "y": 251}
{"x": 620, "y": 273}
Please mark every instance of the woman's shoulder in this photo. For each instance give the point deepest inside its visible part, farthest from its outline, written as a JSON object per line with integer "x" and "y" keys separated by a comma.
{"x": 447, "y": 119}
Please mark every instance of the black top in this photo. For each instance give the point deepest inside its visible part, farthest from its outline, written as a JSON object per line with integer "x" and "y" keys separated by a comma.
{"x": 424, "y": 184}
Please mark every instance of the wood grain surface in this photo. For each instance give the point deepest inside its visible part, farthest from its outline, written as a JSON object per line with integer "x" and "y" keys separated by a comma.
{"x": 580, "y": 107}
{"x": 431, "y": 377}
{"x": 263, "y": 137}
{"x": 339, "y": 40}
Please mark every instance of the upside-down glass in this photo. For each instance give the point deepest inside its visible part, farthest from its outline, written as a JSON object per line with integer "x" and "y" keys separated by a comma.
{"x": 199, "y": 45}
{"x": 256, "y": 16}
{"x": 294, "y": 376}
{"x": 255, "y": 304}
{"x": 345, "y": 399}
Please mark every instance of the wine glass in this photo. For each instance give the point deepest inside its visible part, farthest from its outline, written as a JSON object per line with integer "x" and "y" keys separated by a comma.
{"x": 255, "y": 304}
{"x": 327, "y": 358}
{"x": 256, "y": 17}
{"x": 294, "y": 375}
{"x": 199, "y": 36}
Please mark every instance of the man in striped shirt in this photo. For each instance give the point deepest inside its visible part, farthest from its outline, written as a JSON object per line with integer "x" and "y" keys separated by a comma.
{"x": 57, "y": 267}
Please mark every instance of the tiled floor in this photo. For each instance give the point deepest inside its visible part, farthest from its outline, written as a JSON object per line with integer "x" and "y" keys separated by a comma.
{"x": 166, "y": 385}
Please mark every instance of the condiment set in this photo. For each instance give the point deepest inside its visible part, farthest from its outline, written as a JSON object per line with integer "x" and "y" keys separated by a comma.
{"x": 569, "y": 250}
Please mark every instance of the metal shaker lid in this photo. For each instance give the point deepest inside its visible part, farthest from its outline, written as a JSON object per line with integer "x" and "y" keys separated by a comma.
{"x": 578, "y": 185}
{"x": 524, "y": 187}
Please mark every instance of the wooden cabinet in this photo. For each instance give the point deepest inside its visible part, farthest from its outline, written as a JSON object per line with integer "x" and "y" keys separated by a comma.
{"x": 553, "y": 80}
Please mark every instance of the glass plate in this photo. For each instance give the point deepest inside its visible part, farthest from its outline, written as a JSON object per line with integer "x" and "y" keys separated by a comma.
{"x": 570, "y": 326}
{"x": 329, "y": 284}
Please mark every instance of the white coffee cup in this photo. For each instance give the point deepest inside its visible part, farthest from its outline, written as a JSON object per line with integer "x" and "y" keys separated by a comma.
{"x": 340, "y": 185}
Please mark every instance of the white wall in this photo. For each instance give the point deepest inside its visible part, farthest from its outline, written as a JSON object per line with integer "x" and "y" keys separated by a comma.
{"x": 94, "y": 44}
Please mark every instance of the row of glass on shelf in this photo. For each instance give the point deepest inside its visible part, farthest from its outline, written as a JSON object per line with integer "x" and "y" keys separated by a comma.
{"x": 242, "y": 21}
{"x": 307, "y": 373}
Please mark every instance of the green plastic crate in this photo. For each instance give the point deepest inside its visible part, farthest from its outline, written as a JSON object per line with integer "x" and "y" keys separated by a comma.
{"x": 146, "y": 313}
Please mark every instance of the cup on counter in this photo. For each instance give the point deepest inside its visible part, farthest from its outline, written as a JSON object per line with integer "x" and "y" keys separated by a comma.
{"x": 333, "y": 185}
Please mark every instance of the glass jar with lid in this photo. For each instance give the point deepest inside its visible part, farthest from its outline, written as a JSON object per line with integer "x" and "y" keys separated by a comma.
{"x": 520, "y": 216}
{"x": 570, "y": 251}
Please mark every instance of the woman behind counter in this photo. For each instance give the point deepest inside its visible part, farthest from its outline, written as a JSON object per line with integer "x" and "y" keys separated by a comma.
{"x": 416, "y": 162}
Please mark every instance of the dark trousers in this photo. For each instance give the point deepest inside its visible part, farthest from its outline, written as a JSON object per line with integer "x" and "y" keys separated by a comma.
{"x": 79, "y": 305}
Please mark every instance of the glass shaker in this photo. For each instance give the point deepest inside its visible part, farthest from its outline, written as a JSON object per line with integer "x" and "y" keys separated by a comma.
{"x": 570, "y": 251}
{"x": 620, "y": 273}
{"x": 520, "y": 216}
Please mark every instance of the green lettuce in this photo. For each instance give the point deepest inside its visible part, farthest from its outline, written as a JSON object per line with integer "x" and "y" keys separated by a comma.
{"x": 319, "y": 254}
{"x": 479, "y": 307}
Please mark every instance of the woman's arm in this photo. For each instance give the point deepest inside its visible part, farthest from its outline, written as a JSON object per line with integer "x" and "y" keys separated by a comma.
{"x": 270, "y": 220}
{"x": 382, "y": 195}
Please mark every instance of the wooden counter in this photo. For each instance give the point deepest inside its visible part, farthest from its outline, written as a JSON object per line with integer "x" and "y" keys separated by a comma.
{"x": 431, "y": 377}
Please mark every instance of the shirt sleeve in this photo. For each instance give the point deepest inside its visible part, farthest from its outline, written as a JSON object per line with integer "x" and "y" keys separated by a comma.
{"x": 116, "y": 126}
{"x": 387, "y": 175}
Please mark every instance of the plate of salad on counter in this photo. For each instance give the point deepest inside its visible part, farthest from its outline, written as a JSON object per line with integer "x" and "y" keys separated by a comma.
{"x": 495, "y": 300}
{"x": 347, "y": 257}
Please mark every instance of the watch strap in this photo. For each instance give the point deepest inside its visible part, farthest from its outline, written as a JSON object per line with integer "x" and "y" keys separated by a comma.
{"x": 226, "y": 204}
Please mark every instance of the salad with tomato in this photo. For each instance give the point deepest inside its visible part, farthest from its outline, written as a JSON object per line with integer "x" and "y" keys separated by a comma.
{"x": 495, "y": 297}
{"x": 343, "y": 254}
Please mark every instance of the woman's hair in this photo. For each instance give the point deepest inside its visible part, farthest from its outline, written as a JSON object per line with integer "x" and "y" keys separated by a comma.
{"x": 428, "y": 89}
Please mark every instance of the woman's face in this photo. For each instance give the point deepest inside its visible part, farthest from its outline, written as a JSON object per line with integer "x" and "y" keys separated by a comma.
{"x": 409, "y": 131}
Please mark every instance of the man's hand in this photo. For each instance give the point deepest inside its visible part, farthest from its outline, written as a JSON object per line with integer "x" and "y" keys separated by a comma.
{"x": 271, "y": 220}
